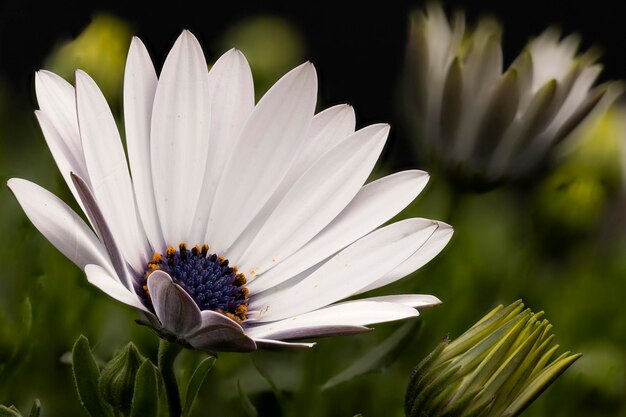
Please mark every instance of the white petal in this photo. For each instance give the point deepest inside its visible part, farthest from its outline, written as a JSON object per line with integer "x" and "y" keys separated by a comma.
{"x": 176, "y": 310}
{"x": 373, "y": 205}
{"x": 267, "y": 147}
{"x": 231, "y": 91}
{"x": 327, "y": 129}
{"x": 421, "y": 257}
{"x": 180, "y": 137}
{"x": 56, "y": 98}
{"x": 357, "y": 266}
{"x": 140, "y": 81}
{"x": 317, "y": 331}
{"x": 315, "y": 199}
{"x": 59, "y": 224}
{"x": 277, "y": 344}
{"x": 106, "y": 162}
{"x": 410, "y": 300}
{"x": 351, "y": 313}
{"x": 100, "y": 278}
{"x": 64, "y": 157}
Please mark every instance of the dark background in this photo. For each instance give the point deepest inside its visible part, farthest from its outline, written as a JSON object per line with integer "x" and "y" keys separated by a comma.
{"x": 357, "y": 47}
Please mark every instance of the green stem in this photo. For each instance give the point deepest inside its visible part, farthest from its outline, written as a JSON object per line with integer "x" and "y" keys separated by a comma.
{"x": 168, "y": 352}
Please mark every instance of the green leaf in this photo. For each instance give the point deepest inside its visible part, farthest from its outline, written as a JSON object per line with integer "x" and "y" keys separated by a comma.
{"x": 86, "y": 374}
{"x": 378, "y": 358}
{"x": 9, "y": 412}
{"x": 270, "y": 381}
{"x": 193, "y": 387}
{"x": 146, "y": 397}
{"x": 35, "y": 410}
{"x": 247, "y": 405}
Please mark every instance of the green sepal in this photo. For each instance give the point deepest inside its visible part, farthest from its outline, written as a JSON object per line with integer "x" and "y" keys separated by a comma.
{"x": 86, "y": 375}
{"x": 430, "y": 391}
{"x": 417, "y": 377}
{"x": 117, "y": 378}
{"x": 145, "y": 398}
{"x": 196, "y": 381}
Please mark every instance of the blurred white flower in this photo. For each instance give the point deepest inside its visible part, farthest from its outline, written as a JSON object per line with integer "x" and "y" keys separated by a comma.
{"x": 485, "y": 126}
{"x": 271, "y": 188}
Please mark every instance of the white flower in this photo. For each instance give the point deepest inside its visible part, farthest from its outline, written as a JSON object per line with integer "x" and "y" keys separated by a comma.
{"x": 271, "y": 188}
{"x": 483, "y": 125}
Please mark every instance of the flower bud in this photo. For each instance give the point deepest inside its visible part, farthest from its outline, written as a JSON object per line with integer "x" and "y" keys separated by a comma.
{"x": 496, "y": 368}
{"x": 117, "y": 379}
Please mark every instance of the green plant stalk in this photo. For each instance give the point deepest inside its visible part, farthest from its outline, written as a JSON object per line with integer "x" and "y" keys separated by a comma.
{"x": 168, "y": 351}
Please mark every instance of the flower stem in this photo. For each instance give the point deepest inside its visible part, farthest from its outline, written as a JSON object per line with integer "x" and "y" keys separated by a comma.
{"x": 168, "y": 352}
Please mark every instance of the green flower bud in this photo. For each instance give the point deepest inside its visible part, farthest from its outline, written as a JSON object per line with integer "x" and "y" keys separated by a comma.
{"x": 117, "y": 379}
{"x": 497, "y": 368}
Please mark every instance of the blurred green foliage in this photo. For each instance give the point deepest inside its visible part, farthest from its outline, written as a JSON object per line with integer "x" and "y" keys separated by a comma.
{"x": 272, "y": 46}
{"x": 508, "y": 244}
{"x": 100, "y": 50}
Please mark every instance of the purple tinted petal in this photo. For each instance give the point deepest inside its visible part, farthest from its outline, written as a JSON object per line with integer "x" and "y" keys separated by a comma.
{"x": 176, "y": 310}
{"x": 102, "y": 228}
{"x": 221, "y": 338}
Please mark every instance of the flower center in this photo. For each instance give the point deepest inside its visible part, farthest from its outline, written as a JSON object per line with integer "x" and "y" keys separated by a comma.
{"x": 207, "y": 278}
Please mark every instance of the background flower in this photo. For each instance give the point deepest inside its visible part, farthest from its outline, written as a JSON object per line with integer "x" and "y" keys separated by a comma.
{"x": 484, "y": 125}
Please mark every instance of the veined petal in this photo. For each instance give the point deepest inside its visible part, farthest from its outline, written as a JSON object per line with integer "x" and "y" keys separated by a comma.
{"x": 100, "y": 278}
{"x": 373, "y": 205}
{"x": 317, "y": 331}
{"x": 176, "y": 310}
{"x": 108, "y": 171}
{"x": 315, "y": 199}
{"x": 231, "y": 92}
{"x": 411, "y": 300}
{"x": 218, "y": 333}
{"x": 64, "y": 157}
{"x": 180, "y": 136}
{"x": 327, "y": 129}
{"x": 59, "y": 224}
{"x": 431, "y": 248}
{"x": 140, "y": 82}
{"x": 57, "y": 98}
{"x": 351, "y": 313}
{"x": 357, "y": 266}
{"x": 266, "y": 148}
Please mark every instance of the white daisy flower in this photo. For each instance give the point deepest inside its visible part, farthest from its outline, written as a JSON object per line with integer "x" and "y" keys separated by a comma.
{"x": 484, "y": 125}
{"x": 239, "y": 226}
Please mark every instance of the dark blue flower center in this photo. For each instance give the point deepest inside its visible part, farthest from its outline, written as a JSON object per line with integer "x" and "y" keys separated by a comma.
{"x": 207, "y": 278}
